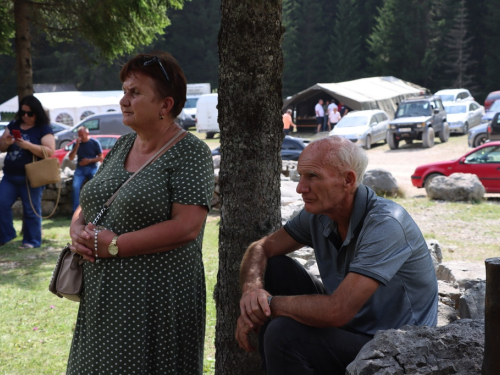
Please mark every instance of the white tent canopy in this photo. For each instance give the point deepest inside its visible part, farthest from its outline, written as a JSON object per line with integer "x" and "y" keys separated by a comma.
{"x": 70, "y": 107}
{"x": 361, "y": 94}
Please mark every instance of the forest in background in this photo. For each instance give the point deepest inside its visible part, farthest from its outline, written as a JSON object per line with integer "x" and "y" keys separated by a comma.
{"x": 434, "y": 43}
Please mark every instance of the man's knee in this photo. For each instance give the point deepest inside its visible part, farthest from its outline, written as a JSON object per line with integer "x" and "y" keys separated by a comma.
{"x": 279, "y": 334}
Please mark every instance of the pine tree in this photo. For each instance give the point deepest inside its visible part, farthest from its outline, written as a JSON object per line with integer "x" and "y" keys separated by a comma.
{"x": 400, "y": 40}
{"x": 491, "y": 80}
{"x": 345, "y": 46}
{"x": 458, "y": 44}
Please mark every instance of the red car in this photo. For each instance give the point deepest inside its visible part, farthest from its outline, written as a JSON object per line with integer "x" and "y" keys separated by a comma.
{"x": 492, "y": 96}
{"x": 106, "y": 141}
{"x": 483, "y": 161}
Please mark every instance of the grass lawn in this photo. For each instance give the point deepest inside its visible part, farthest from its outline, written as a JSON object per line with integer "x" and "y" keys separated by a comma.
{"x": 36, "y": 327}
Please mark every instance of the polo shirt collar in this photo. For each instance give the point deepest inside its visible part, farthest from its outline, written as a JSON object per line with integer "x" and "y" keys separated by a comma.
{"x": 358, "y": 212}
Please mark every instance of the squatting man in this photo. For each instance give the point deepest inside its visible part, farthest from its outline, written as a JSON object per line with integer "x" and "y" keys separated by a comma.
{"x": 375, "y": 267}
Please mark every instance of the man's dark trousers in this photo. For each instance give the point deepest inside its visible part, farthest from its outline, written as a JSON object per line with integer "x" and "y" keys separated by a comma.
{"x": 289, "y": 347}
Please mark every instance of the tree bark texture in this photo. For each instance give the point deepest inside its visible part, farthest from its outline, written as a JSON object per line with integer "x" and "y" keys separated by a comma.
{"x": 249, "y": 108}
{"x": 23, "y": 49}
{"x": 491, "y": 362}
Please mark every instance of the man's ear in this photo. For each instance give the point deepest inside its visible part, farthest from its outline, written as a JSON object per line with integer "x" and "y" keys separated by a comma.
{"x": 350, "y": 180}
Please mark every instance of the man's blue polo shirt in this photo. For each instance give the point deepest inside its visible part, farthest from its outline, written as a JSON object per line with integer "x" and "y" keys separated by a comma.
{"x": 88, "y": 150}
{"x": 386, "y": 246}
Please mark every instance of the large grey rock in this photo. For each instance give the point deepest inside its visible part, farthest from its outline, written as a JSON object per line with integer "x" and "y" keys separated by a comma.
{"x": 456, "y": 348}
{"x": 456, "y": 187}
{"x": 381, "y": 181}
{"x": 472, "y": 302}
{"x": 449, "y": 294}
{"x": 290, "y": 170}
{"x": 436, "y": 253}
{"x": 464, "y": 274}
{"x": 446, "y": 314}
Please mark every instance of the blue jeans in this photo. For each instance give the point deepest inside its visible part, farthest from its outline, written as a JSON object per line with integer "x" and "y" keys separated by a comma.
{"x": 81, "y": 173}
{"x": 11, "y": 188}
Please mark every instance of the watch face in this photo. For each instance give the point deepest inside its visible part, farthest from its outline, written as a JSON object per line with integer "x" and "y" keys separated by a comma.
{"x": 113, "y": 249}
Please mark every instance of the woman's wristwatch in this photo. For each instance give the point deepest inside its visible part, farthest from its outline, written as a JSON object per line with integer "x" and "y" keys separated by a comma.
{"x": 113, "y": 247}
{"x": 269, "y": 299}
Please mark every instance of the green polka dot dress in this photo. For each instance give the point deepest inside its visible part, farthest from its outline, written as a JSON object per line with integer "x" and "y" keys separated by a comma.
{"x": 145, "y": 314}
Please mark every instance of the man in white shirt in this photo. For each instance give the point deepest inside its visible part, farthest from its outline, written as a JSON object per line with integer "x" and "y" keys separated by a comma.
{"x": 320, "y": 114}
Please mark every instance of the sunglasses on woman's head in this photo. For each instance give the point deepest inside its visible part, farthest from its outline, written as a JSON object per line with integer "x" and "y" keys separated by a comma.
{"x": 29, "y": 113}
{"x": 156, "y": 59}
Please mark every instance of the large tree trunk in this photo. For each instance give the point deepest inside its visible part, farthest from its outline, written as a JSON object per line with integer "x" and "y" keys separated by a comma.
{"x": 250, "y": 101}
{"x": 23, "y": 49}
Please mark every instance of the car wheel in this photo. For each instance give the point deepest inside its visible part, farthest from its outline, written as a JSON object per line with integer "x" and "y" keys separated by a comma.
{"x": 465, "y": 129}
{"x": 368, "y": 142}
{"x": 392, "y": 141}
{"x": 210, "y": 135}
{"x": 64, "y": 144}
{"x": 480, "y": 139}
{"x": 428, "y": 138}
{"x": 444, "y": 134}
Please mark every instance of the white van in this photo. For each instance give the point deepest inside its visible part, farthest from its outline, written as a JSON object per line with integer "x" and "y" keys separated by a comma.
{"x": 206, "y": 115}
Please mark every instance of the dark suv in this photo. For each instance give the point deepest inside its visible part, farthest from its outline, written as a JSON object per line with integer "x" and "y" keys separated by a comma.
{"x": 419, "y": 118}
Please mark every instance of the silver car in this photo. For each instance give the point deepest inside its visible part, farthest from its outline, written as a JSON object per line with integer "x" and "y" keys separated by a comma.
{"x": 463, "y": 116}
{"x": 363, "y": 127}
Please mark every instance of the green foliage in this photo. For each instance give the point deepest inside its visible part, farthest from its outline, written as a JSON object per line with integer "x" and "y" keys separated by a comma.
{"x": 344, "y": 52}
{"x": 492, "y": 41}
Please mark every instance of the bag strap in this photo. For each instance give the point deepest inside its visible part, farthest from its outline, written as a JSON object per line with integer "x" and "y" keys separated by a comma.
{"x": 31, "y": 203}
{"x": 151, "y": 160}
{"x": 45, "y": 156}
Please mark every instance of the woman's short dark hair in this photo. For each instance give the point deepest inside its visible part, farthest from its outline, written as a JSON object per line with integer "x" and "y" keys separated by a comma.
{"x": 36, "y": 107}
{"x": 174, "y": 84}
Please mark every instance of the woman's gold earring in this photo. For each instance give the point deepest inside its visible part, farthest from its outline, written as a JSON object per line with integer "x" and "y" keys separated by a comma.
{"x": 161, "y": 117}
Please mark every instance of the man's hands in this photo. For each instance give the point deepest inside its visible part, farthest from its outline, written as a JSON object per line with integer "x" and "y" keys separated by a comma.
{"x": 254, "y": 311}
{"x": 85, "y": 162}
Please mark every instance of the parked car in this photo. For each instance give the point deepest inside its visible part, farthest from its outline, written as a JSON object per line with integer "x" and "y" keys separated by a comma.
{"x": 463, "y": 116}
{"x": 187, "y": 117}
{"x": 363, "y": 127}
{"x": 494, "y": 128}
{"x": 207, "y": 115}
{"x": 494, "y": 108}
{"x": 483, "y": 161}
{"x": 58, "y": 127}
{"x": 291, "y": 148}
{"x": 454, "y": 95}
{"x": 419, "y": 118}
{"x": 100, "y": 124}
{"x": 491, "y": 98}
{"x": 106, "y": 141}
{"x": 478, "y": 135}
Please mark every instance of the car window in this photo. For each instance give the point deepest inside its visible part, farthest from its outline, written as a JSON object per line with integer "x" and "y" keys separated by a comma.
{"x": 484, "y": 155}
{"x": 90, "y": 124}
{"x": 453, "y": 109}
{"x": 413, "y": 109}
{"x": 383, "y": 117}
{"x": 353, "y": 121}
{"x": 474, "y": 106}
{"x": 374, "y": 119}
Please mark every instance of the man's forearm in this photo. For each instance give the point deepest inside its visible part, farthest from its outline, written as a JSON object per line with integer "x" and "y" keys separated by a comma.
{"x": 72, "y": 153}
{"x": 253, "y": 267}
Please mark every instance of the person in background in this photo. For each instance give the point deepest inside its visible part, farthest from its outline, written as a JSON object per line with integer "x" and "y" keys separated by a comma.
{"x": 143, "y": 307}
{"x": 330, "y": 107}
{"x": 287, "y": 121}
{"x": 89, "y": 152}
{"x": 325, "y": 118}
{"x": 333, "y": 118}
{"x": 32, "y": 124}
{"x": 376, "y": 270}
{"x": 320, "y": 115}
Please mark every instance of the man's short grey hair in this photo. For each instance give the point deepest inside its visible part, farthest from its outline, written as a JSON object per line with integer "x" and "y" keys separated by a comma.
{"x": 347, "y": 153}
{"x": 82, "y": 128}
{"x": 288, "y": 111}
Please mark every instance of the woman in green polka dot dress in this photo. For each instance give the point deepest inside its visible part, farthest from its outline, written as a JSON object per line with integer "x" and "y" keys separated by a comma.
{"x": 143, "y": 306}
